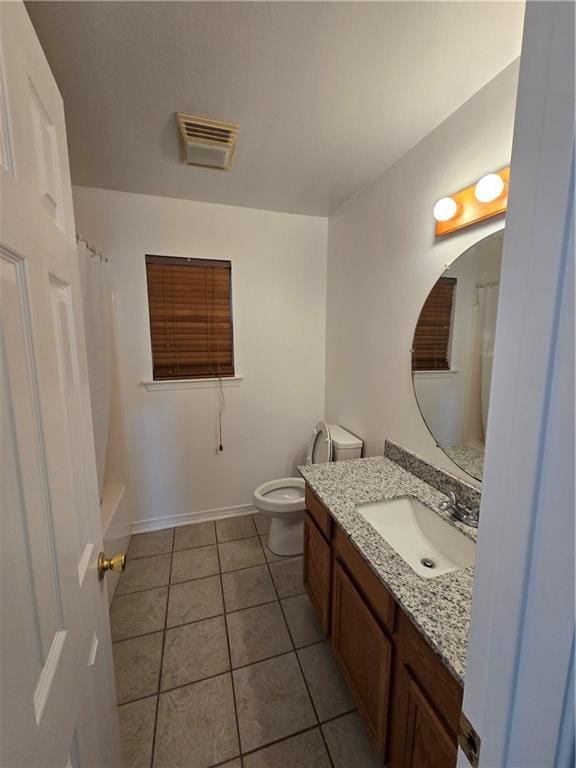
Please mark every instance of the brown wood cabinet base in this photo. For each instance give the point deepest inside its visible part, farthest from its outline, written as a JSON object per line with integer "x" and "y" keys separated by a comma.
{"x": 410, "y": 701}
{"x": 317, "y": 568}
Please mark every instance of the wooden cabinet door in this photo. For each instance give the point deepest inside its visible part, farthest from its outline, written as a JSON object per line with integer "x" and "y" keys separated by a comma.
{"x": 364, "y": 654}
{"x": 425, "y": 742}
{"x": 317, "y": 559}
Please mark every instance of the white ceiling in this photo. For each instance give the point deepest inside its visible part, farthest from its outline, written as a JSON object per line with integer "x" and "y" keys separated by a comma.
{"x": 327, "y": 94}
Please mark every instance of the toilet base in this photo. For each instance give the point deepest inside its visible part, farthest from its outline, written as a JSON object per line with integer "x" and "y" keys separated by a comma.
{"x": 286, "y": 538}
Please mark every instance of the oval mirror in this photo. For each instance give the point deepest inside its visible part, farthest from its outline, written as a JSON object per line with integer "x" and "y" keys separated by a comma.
{"x": 452, "y": 353}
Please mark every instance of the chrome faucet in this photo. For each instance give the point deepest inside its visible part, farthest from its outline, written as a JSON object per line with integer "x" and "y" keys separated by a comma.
{"x": 460, "y": 512}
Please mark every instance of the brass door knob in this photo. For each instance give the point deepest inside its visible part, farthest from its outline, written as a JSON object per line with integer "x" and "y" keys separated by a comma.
{"x": 116, "y": 563}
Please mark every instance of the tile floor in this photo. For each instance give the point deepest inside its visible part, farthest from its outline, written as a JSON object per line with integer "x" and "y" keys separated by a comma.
{"x": 220, "y": 660}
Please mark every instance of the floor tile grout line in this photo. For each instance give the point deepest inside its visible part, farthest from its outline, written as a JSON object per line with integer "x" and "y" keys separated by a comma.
{"x": 240, "y": 538}
{"x": 140, "y": 698}
{"x": 138, "y": 591}
{"x": 227, "y": 671}
{"x": 146, "y": 555}
{"x": 319, "y": 724}
{"x": 299, "y": 733}
{"x": 279, "y": 741}
{"x": 295, "y": 651}
{"x": 225, "y": 613}
{"x": 214, "y": 543}
{"x": 198, "y": 546}
{"x": 244, "y": 567}
{"x": 298, "y": 661}
{"x": 230, "y": 660}
{"x": 197, "y": 578}
{"x": 175, "y": 528}
{"x": 162, "y": 656}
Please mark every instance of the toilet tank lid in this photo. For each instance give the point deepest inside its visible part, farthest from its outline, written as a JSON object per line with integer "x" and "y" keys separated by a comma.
{"x": 341, "y": 438}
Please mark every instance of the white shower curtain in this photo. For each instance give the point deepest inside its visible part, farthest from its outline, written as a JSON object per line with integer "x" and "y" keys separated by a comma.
{"x": 488, "y": 300}
{"x": 97, "y": 303}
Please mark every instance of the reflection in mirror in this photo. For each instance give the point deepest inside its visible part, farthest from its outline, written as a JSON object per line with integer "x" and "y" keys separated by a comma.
{"x": 452, "y": 353}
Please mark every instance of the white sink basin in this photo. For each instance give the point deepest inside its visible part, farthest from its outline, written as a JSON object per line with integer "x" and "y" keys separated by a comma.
{"x": 420, "y": 536}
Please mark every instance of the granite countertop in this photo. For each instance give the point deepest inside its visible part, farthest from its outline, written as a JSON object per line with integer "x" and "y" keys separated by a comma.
{"x": 440, "y": 607}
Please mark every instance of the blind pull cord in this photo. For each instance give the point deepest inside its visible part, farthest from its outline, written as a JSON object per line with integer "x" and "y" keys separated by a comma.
{"x": 220, "y": 412}
{"x": 221, "y": 398}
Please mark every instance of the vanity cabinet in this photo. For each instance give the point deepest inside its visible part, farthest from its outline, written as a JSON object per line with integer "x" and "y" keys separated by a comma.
{"x": 410, "y": 701}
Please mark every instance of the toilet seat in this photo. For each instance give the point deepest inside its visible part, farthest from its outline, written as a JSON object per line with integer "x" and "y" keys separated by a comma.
{"x": 320, "y": 445}
{"x": 280, "y": 496}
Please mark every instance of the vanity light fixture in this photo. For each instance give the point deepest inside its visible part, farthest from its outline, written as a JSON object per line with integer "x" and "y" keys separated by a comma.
{"x": 486, "y": 198}
{"x": 445, "y": 209}
{"x": 489, "y": 188}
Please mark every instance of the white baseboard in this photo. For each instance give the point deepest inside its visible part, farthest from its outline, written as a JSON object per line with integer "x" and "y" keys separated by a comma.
{"x": 172, "y": 521}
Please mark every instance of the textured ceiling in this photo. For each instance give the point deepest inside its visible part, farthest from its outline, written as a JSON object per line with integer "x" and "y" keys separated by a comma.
{"x": 328, "y": 95}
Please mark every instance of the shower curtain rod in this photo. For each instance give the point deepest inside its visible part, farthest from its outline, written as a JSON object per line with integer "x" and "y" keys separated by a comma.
{"x": 90, "y": 247}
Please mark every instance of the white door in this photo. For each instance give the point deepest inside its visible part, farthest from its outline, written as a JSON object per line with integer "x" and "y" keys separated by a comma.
{"x": 519, "y": 691}
{"x": 57, "y": 697}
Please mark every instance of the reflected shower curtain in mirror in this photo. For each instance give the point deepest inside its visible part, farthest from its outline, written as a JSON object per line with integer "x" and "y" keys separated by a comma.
{"x": 488, "y": 300}
{"x": 97, "y": 308}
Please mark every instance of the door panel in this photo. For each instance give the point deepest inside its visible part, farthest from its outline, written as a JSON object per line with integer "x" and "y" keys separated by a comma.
{"x": 21, "y": 406}
{"x": 69, "y": 389}
{"x": 57, "y": 689}
{"x": 46, "y": 152}
{"x": 6, "y": 151}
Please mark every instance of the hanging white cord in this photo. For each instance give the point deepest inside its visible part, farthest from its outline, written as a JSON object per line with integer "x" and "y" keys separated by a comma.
{"x": 221, "y": 407}
{"x": 216, "y": 373}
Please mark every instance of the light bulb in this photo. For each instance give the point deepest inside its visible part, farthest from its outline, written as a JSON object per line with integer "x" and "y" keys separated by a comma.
{"x": 489, "y": 188}
{"x": 445, "y": 209}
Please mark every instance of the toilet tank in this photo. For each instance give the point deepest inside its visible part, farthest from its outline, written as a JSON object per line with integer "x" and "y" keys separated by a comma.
{"x": 345, "y": 445}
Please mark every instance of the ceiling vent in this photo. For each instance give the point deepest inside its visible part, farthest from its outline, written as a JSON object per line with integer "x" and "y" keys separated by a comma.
{"x": 206, "y": 142}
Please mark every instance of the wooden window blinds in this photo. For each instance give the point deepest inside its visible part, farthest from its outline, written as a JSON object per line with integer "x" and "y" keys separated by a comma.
{"x": 190, "y": 305}
{"x": 431, "y": 346}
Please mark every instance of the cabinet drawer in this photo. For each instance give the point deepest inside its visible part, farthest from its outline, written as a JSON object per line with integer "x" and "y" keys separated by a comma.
{"x": 375, "y": 593}
{"x": 364, "y": 654}
{"x": 317, "y": 564}
{"x": 319, "y": 512}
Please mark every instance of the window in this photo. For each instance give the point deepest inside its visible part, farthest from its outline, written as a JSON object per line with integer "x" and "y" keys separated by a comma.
{"x": 431, "y": 346}
{"x": 190, "y": 305}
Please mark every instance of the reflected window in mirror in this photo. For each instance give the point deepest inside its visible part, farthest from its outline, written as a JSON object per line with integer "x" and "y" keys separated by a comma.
{"x": 452, "y": 354}
{"x": 433, "y": 335}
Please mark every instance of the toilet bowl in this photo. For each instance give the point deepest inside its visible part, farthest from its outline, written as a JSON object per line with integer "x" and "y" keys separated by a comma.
{"x": 283, "y": 500}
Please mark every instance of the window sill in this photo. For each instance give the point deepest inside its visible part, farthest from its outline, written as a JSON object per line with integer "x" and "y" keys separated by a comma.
{"x": 434, "y": 374}
{"x": 165, "y": 384}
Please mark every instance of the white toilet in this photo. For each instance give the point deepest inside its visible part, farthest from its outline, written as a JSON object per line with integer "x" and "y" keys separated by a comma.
{"x": 283, "y": 499}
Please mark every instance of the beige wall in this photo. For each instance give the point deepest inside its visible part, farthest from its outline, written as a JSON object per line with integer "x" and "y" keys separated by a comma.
{"x": 383, "y": 260}
{"x": 279, "y": 291}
